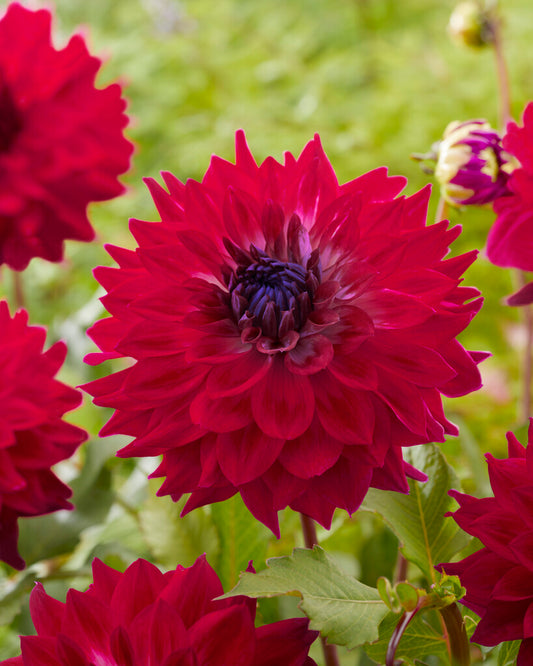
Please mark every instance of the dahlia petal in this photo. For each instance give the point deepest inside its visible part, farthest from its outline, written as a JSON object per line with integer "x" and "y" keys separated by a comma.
{"x": 523, "y": 296}
{"x": 345, "y": 413}
{"x": 241, "y": 218}
{"x": 285, "y": 487}
{"x": 138, "y": 587}
{"x": 376, "y": 185}
{"x": 191, "y": 591}
{"x": 260, "y": 502}
{"x": 419, "y": 365}
{"x": 245, "y": 455}
{"x": 392, "y": 309}
{"x": 345, "y": 484}
{"x": 69, "y": 653}
{"x": 105, "y": 580}
{"x": 468, "y": 378}
{"x": 525, "y": 653}
{"x": 509, "y": 243}
{"x": 312, "y": 504}
{"x": 121, "y": 647}
{"x": 168, "y": 632}
{"x": 46, "y": 612}
{"x": 515, "y": 584}
{"x": 492, "y": 631}
{"x": 165, "y": 204}
{"x": 214, "y": 350}
{"x": 226, "y": 637}
{"x": 283, "y": 403}
{"x": 522, "y": 549}
{"x": 37, "y": 650}
{"x": 221, "y": 414}
{"x": 356, "y": 371}
{"x": 157, "y": 380}
{"x": 157, "y": 339}
{"x": 311, "y": 354}
{"x": 239, "y": 376}
{"x": 405, "y": 401}
{"x": 205, "y": 496}
{"x": 286, "y": 642}
{"x": 312, "y": 453}
{"x": 182, "y": 469}
{"x": 86, "y": 621}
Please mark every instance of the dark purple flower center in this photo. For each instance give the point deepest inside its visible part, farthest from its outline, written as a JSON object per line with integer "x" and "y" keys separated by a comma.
{"x": 10, "y": 120}
{"x": 269, "y": 294}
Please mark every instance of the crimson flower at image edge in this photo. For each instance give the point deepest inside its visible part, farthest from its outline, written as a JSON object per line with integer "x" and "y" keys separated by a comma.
{"x": 289, "y": 334}
{"x": 499, "y": 577}
{"x": 143, "y": 616}
{"x": 33, "y": 435}
{"x": 510, "y": 241}
{"x": 61, "y": 139}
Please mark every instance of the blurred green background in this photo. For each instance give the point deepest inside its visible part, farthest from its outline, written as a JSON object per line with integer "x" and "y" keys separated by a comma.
{"x": 378, "y": 80}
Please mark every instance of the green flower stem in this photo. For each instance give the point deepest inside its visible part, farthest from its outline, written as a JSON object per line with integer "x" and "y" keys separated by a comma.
{"x": 501, "y": 72}
{"x": 460, "y": 646}
{"x": 331, "y": 658}
{"x": 442, "y": 209}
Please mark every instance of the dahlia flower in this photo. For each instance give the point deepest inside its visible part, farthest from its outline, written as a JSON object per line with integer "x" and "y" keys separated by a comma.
{"x": 61, "y": 142}
{"x": 33, "y": 436}
{"x": 143, "y": 616}
{"x": 499, "y": 577}
{"x": 472, "y": 167}
{"x": 510, "y": 241}
{"x": 290, "y": 334}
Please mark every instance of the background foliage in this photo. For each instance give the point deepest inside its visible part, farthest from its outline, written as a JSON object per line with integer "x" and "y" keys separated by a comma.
{"x": 379, "y": 80}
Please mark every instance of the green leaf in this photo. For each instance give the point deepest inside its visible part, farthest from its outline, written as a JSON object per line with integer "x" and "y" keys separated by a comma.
{"x": 174, "y": 540}
{"x": 419, "y": 640}
{"x": 242, "y": 538}
{"x": 508, "y": 652}
{"x": 417, "y": 519}
{"x": 48, "y": 536}
{"x": 344, "y": 610}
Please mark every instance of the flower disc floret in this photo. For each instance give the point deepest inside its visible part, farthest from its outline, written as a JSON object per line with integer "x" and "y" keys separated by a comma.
{"x": 33, "y": 435}
{"x": 499, "y": 577}
{"x": 289, "y": 334}
{"x": 143, "y": 616}
{"x": 61, "y": 139}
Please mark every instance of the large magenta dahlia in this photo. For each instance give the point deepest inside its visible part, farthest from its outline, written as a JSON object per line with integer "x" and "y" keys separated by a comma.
{"x": 143, "y": 617}
{"x": 61, "y": 141}
{"x": 33, "y": 436}
{"x": 510, "y": 241}
{"x": 499, "y": 577}
{"x": 290, "y": 334}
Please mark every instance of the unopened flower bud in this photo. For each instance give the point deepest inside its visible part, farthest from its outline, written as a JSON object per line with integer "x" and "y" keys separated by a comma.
{"x": 472, "y": 167}
{"x": 471, "y": 24}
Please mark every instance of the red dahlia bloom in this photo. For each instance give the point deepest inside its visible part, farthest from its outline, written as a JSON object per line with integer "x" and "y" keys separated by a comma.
{"x": 61, "y": 142}
{"x": 290, "y": 334}
{"x": 33, "y": 436}
{"x": 499, "y": 577}
{"x": 143, "y": 616}
{"x": 510, "y": 241}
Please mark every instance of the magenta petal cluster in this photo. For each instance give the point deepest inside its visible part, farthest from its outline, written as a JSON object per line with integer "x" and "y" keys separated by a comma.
{"x": 499, "y": 577}
{"x": 143, "y": 616}
{"x": 472, "y": 166}
{"x": 510, "y": 241}
{"x": 61, "y": 139}
{"x": 33, "y": 435}
{"x": 289, "y": 334}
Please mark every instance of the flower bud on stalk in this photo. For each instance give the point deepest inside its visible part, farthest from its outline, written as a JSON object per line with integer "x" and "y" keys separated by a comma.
{"x": 471, "y": 25}
{"x": 471, "y": 165}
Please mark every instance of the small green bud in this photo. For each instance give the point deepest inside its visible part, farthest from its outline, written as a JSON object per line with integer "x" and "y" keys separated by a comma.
{"x": 471, "y": 24}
